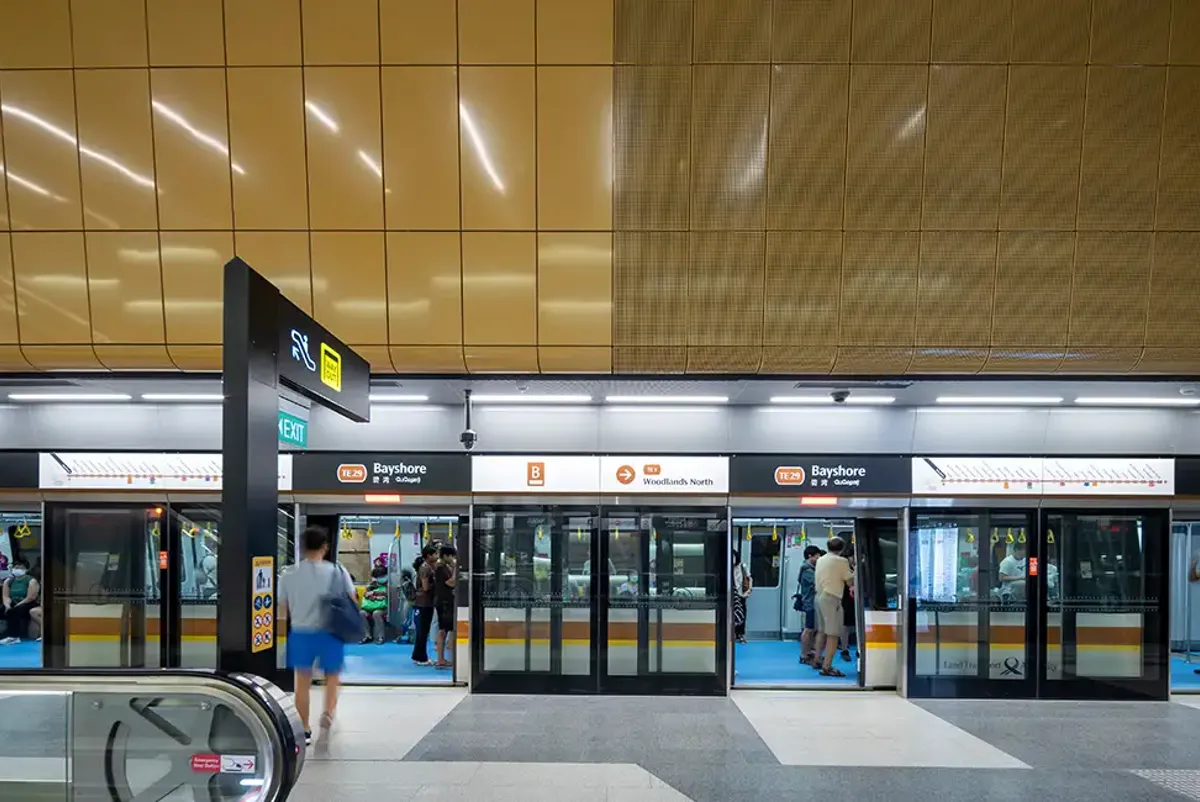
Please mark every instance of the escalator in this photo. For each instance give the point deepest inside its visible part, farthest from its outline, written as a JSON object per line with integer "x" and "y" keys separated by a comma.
{"x": 143, "y": 735}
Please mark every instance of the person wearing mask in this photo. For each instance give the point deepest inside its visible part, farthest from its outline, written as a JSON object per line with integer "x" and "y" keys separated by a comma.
{"x": 304, "y": 593}
{"x": 832, "y": 574}
{"x": 20, "y": 599}
{"x": 374, "y": 605}
{"x": 743, "y": 585}
{"x": 424, "y": 605}
{"x": 806, "y": 591}
{"x": 445, "y": 580}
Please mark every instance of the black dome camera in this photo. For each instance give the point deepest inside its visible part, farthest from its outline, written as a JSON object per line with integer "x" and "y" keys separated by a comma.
{"x": 839, "y": 396}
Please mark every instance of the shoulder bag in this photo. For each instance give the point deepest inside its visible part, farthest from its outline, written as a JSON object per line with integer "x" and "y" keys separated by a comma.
{"x": 341, "y": 614}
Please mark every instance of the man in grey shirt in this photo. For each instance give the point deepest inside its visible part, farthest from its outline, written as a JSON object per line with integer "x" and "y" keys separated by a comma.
{"x": 304, "y": 593}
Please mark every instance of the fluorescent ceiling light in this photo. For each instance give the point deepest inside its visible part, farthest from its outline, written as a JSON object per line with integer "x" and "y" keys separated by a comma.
{"x": 68, "y": 397}
{"x": 207, "y": 398}
{"x": 667, "y": 399}
{"x": 819, "y": 400}
{"x": 1138, "y": 402}
{"x": 382, "y": 498}
{"x": 1000, "y": 400}
{"x": 532, "y": 399}
{"x": 321, "y": 115}
{"x": 388, "y": 398}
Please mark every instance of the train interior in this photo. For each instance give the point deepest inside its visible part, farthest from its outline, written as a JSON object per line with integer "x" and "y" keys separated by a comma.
{"x": 381, "y": 549}
{"x": 773, "y": 548}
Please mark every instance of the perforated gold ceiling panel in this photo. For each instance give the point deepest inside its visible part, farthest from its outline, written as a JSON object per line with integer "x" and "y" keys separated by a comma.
{"x": 630, "y": 186}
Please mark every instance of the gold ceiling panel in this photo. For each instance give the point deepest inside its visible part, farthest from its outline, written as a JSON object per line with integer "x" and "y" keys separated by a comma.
{"x": 809, "y": 187}
{"x": 134, "y": 357}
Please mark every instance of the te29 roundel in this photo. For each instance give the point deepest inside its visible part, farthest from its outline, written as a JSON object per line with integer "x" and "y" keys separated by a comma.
{"x": 352, "y": 473}
{"x": 789, "y": 475}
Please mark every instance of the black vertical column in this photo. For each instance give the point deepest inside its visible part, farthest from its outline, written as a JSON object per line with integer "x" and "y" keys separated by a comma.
{"x": 250, "y": 448}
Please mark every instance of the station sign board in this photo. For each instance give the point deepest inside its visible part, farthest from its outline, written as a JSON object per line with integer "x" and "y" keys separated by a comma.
{"x": 798, "y": 474}
{"x": 373, "y": 472}
{"x": 644, "y": 474}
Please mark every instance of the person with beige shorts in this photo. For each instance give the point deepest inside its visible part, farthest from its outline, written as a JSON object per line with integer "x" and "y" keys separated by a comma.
{"x": 833, "y": 575}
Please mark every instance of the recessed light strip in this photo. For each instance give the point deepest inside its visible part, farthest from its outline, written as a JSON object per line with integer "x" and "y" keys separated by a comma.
{"x": 523, "y": 398}
{"x": 1000, "y": 400}
{"x": 197, "y": 398}
{"x": 69, "y": 397}
{"x": 1100, "y": 401}
{"x": 822, "y": 400}
{"x": 666, "y": 399}
{"x": 389, "y": 398}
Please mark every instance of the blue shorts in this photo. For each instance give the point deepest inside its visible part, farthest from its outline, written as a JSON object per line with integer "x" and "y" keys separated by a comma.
{"x": 810, "y": 617}
{"x": 306, "y": 648}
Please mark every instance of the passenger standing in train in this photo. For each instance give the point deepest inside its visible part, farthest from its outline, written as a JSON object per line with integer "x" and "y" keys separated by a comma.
{"x": 445, "y": 580}
{"x": 806, "y": 593}
{"x": 424, "y": 606}
{"x": 833, "y": 574}
{"x": 743, "y": 585}
{"x": 849, "y": 617}
{"x": 304, "y": 593}
{"x": 1012, "y": 574}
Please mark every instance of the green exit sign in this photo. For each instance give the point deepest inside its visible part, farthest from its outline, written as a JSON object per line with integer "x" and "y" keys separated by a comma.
{"x": 292, "y": 430}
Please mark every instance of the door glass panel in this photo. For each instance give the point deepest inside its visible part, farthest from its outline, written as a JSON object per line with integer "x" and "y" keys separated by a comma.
{"x": 1103, "y": 597}
{"x": 109, "y": 596}
{"x": 21, "y": 548}
{"x": 666, "y": 598}
{"x": 1007, "y": 602}
{"x": 200, "y": 547}
{"x": 946, "y": 580}
{"x": 535, "y": 571}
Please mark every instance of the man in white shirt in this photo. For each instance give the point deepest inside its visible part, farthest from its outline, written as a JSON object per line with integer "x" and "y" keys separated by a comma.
{"x": 833, "y": 575}
{"x": 1012, "y": 572}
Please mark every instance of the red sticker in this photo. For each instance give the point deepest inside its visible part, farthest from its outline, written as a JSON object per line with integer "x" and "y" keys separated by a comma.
{"x": 1033, "y": 566}
{"x": 206, "y": 764}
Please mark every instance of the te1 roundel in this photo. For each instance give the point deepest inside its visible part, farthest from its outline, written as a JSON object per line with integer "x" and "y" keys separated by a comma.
{"x": 352, "y": 473}
{"x": 789, "y": 475}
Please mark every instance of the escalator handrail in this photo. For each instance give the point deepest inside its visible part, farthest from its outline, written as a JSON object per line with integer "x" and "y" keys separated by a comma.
{"x": 283, "y": 764}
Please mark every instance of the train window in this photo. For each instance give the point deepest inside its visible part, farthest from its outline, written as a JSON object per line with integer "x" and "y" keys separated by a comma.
{"x": 765, "y": 556}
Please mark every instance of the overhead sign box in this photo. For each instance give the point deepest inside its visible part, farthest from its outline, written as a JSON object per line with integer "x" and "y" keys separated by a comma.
{"x": 799, "y": 474}
{"x": 1043, "y": 476}
{"x": 58, "y": 470}
{"x": 314, "y": 362}
{"x": 650, "y": 474}
{"x": 369, "y": 472}
{"x": 609, "y": 475}
{"x": 18, "y": 470}
{"x": 535, "y": 474}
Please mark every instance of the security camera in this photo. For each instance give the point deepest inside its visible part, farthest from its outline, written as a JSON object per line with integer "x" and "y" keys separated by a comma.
{"x": 468, "y": 438}
{"x": 839, "y": 396}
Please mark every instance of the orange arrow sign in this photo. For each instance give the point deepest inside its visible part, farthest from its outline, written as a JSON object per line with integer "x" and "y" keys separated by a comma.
{"x": 625, "y": 474}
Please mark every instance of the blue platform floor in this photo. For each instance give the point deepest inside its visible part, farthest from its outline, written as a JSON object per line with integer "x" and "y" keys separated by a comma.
{"x": 775, "y": 663}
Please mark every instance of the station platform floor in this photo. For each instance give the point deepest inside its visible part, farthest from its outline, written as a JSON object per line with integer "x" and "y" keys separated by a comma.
{"x": 443, "y": 744}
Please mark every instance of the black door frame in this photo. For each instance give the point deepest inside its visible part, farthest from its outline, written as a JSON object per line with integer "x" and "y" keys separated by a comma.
{"x": 980, "y": 685}
{"x": 1155, "y": 645}
{"x": 529, "y": 681}
{"x": 598, "y": 601}
{"x": 1034, "y": 683}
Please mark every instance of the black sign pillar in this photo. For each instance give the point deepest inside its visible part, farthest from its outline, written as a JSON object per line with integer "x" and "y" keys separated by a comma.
{"x": 250, "y": 449}
{"x": 268, "y": 341}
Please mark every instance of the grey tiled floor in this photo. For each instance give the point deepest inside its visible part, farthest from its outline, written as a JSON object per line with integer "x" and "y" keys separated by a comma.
{"x": 1070, "y": 735}
{"x": 396, "y": 744}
